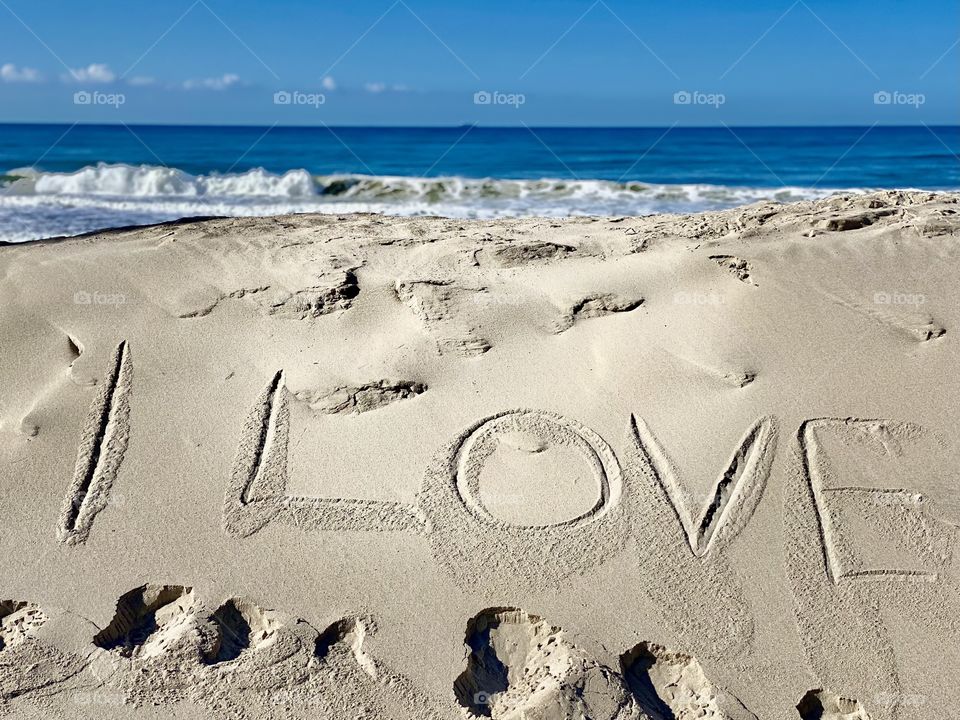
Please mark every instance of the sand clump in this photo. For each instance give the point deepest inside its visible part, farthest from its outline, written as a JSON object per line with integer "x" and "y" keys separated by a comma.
{"x": 594, "y": 306}
{"x": 356, "y": 399}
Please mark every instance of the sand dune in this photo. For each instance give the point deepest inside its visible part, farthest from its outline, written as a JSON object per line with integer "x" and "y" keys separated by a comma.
{"x": 668, "y": 467}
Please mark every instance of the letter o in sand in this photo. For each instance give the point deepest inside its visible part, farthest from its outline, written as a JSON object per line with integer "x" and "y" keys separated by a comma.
{"x": 480, "y": 546}
{"x": 549, "y": 432}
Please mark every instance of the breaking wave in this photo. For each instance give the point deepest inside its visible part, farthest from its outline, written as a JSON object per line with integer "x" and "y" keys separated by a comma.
{"x": 43, "y": 204}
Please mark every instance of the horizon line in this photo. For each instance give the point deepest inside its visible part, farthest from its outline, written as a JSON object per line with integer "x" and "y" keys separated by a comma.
{"x": 460, "y": 126}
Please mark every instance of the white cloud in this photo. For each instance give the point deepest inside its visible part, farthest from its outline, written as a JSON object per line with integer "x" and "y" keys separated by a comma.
{"x": 11, "y": 73}
{"x": 94, "y": 73}
{"x": 328, "y": 83}
{"x": 218, "y": 83}
{"x": 140, "y": 81}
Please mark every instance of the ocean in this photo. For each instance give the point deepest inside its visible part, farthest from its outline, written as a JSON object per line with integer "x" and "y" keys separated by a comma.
{"x": 61, "y": 180}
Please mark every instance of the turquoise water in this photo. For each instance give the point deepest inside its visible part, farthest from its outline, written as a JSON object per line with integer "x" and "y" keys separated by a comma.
{"x": 74, "y": 179}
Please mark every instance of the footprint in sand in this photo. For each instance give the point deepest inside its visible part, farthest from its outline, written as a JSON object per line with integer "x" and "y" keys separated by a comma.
{"x": 673, "y": 686}
{"x": 447, "y": 312}
{"x": 31, "y": 657}
{"x": 595, "y": 306}
{"x": 164, "y": 645}
{"x": 18, "y": 620}
{"x": 738, "y": 267}
{"x": 824, "y": 705}
{"x": 521, "y": 666}
{"x": 151, "y": 620}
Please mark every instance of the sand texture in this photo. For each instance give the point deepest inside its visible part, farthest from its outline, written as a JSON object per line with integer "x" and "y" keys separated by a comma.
{"x": 359, "y": 467}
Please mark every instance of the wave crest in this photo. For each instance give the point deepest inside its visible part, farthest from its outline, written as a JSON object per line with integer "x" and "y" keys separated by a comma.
{"x": 146, "y": 181}
{"x": 37, "y": 204}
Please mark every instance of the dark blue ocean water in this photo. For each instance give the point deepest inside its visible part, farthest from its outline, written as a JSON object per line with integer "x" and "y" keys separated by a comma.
{"x": 85, "y": 177}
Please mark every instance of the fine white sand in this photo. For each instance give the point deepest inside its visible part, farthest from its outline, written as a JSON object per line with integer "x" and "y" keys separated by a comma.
{"x": 669, "y": 467}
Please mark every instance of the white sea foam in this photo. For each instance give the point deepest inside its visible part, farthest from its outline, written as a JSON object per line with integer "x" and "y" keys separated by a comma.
{"x": 161, "y": 182}
{"x": 43, "y": 204}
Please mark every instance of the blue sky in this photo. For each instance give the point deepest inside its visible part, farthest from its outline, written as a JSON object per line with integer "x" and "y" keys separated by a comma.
{"x": 422, "y": 62}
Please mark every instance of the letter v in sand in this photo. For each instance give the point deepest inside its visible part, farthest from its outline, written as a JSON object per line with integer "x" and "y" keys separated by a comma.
{"x": 735, "y": 496}
{"x": 686, "y": 556}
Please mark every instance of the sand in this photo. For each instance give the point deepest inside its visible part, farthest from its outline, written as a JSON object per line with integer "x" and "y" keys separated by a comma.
{"x": 668, "y": 467}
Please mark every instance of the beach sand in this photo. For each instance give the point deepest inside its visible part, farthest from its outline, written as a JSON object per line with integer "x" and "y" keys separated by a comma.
{"x": 668, "y": 467}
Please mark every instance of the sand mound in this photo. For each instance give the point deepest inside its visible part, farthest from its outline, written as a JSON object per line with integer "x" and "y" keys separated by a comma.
{"x": 148, "y": 620}
{"x": 164, "y": 647}
{"x": 673, "y": 686}
{"x": 519, "y": 666}
{"x": 513, "y": 254}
